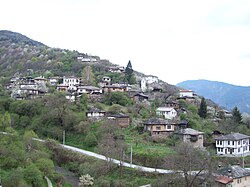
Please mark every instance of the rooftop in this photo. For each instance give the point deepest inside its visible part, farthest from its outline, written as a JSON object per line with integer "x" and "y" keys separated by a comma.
{"x": 234, "y": 171}
{"x": 188, "y": 131}
{"x": 156, "y": 121}
{"x": 233, "y": 136}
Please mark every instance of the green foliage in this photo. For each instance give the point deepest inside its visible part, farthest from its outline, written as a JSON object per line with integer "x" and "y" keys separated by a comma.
{"x": 203, "y": 108}
{"x": 116, "y": 98}
{"x": 33, "y": 176}
{"x": 5, "y": 121}
{"x": 91, "y": 139}
{"x": 46, "y": 166}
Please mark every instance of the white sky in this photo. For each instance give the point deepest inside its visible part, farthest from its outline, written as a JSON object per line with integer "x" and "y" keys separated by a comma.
{"x": 175, "y": 40}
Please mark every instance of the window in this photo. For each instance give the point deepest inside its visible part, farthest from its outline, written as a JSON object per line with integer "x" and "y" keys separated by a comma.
{"x": 232, "y": 142}
{"x": 244, "y": 142}
{"x": 239, "y": 142}
{"x": 158, "y": 128}
{"x": 228, "y": 142}
{"x": 238, "y": 150}
{"x": 169, "y": 127}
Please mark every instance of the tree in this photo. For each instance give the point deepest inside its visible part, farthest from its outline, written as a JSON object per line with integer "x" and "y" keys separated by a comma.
{"x": 33, "y": 176}
{"x": 202, "y": 112}
{"x": 88, "y": 77}
{"x": 129, "y": 73}
{"x": 5, "y": 121}
{"x": 191, "y": 163}
{"x": 91, "y": 140}
{"x": 237, "y": 118}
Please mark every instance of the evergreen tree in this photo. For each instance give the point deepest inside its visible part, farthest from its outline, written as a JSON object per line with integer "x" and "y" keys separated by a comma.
{"x": 202, "y": 112}
{"x": 129, "y": 73}
{"x": 236, "y": 115}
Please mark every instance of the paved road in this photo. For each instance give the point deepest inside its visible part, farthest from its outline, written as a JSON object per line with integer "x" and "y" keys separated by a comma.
{"x": 142, "y": 168}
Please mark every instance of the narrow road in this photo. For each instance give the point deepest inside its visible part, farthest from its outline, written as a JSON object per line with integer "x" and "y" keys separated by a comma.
{"x": 98, "y": 156}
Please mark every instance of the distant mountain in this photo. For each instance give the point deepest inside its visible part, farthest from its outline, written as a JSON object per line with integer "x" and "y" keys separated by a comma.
{"x": 226, "y": 95}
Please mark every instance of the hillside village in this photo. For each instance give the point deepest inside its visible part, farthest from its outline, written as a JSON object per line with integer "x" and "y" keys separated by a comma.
{"x": 104, "y": 107}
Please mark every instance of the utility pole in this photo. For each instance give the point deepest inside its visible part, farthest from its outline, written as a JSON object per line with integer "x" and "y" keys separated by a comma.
{"x": 131, "y": 155}
{"x": 63, "y": 137}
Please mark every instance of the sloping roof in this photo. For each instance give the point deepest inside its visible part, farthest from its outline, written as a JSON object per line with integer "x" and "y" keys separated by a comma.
{"x": 141, "y": 94}
{"x": 233, "y": 171}
{"x": 168, "y": 109}
{"x": 88, "y": 87}
{"x": 188, "y": 131}
{"x": 156, "y": 121}
{"x": 119, "y": 115}
{"x": 233, "y": 136}
{"x": 95, "y": 110}
{"x": 223, "y": 179}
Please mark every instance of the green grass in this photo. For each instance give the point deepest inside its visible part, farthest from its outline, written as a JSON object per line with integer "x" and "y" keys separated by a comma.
{"x": 145, "y": 148}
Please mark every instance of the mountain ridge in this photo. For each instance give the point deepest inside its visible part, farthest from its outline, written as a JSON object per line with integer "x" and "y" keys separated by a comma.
{"x": 224, "y": 94}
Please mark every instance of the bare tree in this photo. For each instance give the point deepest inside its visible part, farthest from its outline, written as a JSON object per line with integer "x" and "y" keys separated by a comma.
{"x": 194, "y": 165}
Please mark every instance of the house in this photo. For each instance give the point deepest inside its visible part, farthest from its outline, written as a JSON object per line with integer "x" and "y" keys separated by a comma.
{"x": 105, "y": 81}
{"x": 232, "y": 176}
{"x": 121, "y": 120}
{"x": 95, "y": 113}
{"x": 191, "y": 136}
{"x": 148, "y": 80}
{"x": 140, "y": 97}
{"x": 71, "y": 81}
{"x": 166, "y": 112}
{"x": 234, "y": 144}
{"x": 186, "y": 93}
{"x": 62, "y": 87}
{"x": 88, "y": 90}
{"x": 40, "y": 79}
{"x": 183, "y": 124}
{"x": 174, "y": 104}
{"x": 53, "y": 81}
{"x": 115, "y": 88}
{"x": 116, "y": 69}
{"x": 159, "y": 127}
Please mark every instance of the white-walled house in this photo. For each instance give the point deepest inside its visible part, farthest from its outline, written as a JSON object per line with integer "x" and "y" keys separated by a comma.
{"x": 186, "y": 93}
{"x": 95, "y": 113}
{"x": 234, "y": 144}
{"x": 71, "y": 81}
{"x": 148, "y": 80}
{"x": 166, "y": 112}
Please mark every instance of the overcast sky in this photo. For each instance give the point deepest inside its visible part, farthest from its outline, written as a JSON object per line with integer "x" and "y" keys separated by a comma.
{"x": 175, "y": 40}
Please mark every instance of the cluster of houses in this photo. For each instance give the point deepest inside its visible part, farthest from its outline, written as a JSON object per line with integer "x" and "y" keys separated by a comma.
{"x": 165, "y": 124}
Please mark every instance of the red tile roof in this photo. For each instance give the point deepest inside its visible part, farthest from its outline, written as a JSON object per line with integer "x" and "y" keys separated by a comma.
{"x": 223, "y": 179}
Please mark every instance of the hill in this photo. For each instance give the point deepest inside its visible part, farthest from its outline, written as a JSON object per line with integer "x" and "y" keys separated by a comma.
{"x": 16, "y": 38}
{"x": 226, "y": 95}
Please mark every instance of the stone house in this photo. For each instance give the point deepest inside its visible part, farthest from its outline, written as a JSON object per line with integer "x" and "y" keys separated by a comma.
{"x": 159, "y": 127}
{"x": 121, "y": 120}
{"x": 191, "y": 136}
